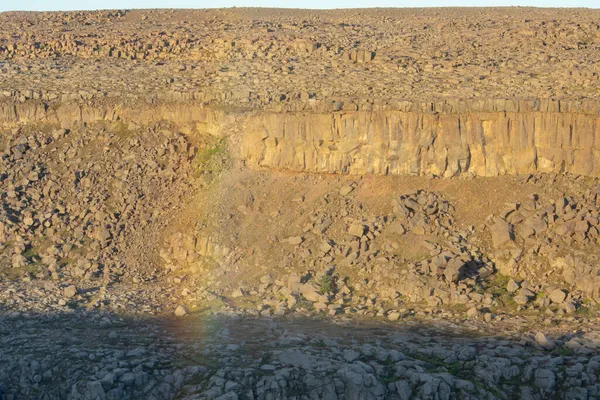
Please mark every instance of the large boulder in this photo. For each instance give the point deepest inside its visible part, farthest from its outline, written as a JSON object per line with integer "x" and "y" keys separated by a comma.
{"x": 357, "y": 230}
{"x": 310, "y": 292}
{"x": 557, "y": 296}
{"x": 502, "y": 232}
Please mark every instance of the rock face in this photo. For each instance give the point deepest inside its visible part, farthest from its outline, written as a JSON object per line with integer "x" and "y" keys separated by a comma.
{"x": 487, "y": 138}
{"x": 444, "y": 143}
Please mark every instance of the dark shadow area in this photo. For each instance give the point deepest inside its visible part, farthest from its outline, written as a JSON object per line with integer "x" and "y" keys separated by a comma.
{"x": 101, "y": 355}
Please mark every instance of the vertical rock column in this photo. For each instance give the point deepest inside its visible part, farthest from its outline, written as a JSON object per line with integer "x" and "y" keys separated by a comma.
{"x": 444, "y": 144}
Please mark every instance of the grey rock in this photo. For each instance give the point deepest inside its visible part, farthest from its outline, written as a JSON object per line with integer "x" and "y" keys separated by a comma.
{"x": 351, "y": 355}
{"x": 95, "y": 391}
{"x": 545, "y": 379}
{"x": 127, "y": 378}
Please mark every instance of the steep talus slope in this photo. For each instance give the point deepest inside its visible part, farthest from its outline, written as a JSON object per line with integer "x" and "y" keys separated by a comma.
{"x": 87, "y": 203}
{"x": 436, "y": 140}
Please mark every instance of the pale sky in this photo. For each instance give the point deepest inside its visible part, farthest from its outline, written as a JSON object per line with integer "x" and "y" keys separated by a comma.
{"x": 48, "y": 5}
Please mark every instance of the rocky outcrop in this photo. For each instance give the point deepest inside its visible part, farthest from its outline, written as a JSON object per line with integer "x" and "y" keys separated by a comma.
{"x": 444, "y": 144}
{"x": 482, "y": 138}
{"x": 71, "y": 114}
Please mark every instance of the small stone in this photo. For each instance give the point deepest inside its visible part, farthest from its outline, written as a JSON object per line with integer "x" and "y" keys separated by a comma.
{"x": 527, "y": 293}
{"x": 521, "y": 299}
{"x": 181, "y": 310}
{"x": 70, "y": 291}
{"x": 310, "y": 292}
{"x": 346, "y": 190}
{"x": 18, "y": 261}
{"x": 570, "y": 307}
{"x": 393, "y": 316}
{"x": 357, "y": 230}
{"x": 103, "y": 234}
{"x": 127, "y": 378}
{"x": 545, "y": 379}
{"x": 95, "y": 390}
{"x": 351, "y": 355}
{"x": 59, "y": 133}
{"x": 325, "y": 247}
{"x": 295, "y": 240}
{"x": 502, "y": 232}
{"x": 108, "y": 379}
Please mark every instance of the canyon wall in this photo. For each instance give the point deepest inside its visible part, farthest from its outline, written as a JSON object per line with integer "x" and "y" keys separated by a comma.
{"x": 485, "y": 138}
{"x": 73, "y": 114}
{"x": 479, "y": 143}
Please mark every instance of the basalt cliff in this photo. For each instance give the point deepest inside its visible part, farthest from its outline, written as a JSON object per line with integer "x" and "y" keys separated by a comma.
{"x": 478, "y": 138}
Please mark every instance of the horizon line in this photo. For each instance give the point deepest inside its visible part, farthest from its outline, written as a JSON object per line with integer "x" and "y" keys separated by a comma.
{"x": 306, "y": 9}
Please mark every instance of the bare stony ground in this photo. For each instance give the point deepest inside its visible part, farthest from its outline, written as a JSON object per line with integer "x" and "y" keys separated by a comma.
{"x": 178, "y": 222}
{"x": 270, "y": 58}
